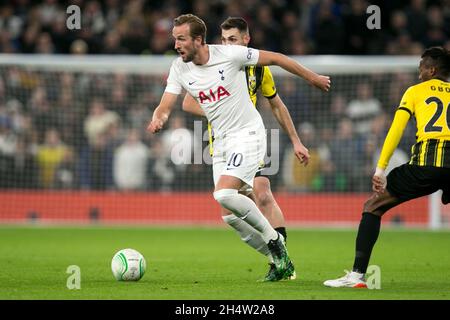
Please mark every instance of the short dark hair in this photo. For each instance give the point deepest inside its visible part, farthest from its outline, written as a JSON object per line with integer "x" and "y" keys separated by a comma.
{"x": 441, "y": 59}
{"x": 235, "y": 22}
{"x": 197, "y": 26}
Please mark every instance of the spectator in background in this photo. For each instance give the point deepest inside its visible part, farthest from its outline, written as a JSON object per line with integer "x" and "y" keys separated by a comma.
{"x": 417, "y": 19}
{"x": 28, "y": 38}
{"x": 68, "y": 111}
{"x": 48, "y": 12}
{"x": 178, "y": 142}
{"x": 66, "y": 175}
{"x": 161, "y": 170}
{"x": 327, "y": 180}
{"x": 338, "y": 108}
{"x": 7, "y": 147}
{"x": 43, "y": 115}
{"x": 60, "y": 35}
{"x": 328, "y": 32}
{"x": 44, "y": 44}
{"x": 23, "y": 171}
{"x": 296, "y": 176}
{"x": 113, "y": 11}
{"x": 112, "y": 44}
{"x": 269, "y": 27}
{"x": 98, "y": 121}
{"x": 438, "y": 28}
{"x": 130, "y": 163}
{"x": 11, "y": 26}
{"x": 79, "y": 47}
{"x": 119, "y": 95}
{"x": 14, "y": 111}
{"x": 49, "y": 156}
{"x": 345, "y": 154}
{"x": 137, "y": 115}
{"x": 95, "y": 165}
{"x": 363, "y": 109}
{"x": 299, "y": 106}
{"x": 398, "y": 24}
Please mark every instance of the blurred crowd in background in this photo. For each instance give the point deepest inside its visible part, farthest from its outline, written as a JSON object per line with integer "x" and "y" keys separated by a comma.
{"x": 86, "y": 130}
{"x": 294, "y": 27}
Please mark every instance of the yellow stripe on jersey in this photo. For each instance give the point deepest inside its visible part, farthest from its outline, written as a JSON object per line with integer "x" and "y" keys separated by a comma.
{"x": 258, "y": 77}
{"x": 439, "y": 153}
{"x": 268, "y": 88}
{"x": 431, "y": 152}
{"x": 429, "y": 103}
{"x": 211, "y": 139}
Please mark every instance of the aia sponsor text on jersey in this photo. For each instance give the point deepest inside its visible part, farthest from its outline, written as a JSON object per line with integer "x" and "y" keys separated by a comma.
{"x": 210, "y": 96}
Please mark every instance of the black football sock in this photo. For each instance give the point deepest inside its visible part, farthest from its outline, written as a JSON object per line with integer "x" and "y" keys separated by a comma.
{"x": 368, "y": 231}
{"x": 282, "y": 231}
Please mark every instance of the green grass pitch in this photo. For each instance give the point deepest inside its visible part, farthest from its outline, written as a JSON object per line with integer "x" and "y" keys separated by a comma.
{"x": 212, "y": 263}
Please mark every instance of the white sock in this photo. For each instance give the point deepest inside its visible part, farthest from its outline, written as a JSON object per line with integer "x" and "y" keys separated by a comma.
{"x": 248, "y": 234}
{"x": 247, "y": 210}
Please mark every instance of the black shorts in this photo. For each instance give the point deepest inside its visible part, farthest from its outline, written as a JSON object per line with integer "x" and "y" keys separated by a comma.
{"x": 260, "y": 173}
{"x": 411, "y": 181}
{"x": 263, "y": 171}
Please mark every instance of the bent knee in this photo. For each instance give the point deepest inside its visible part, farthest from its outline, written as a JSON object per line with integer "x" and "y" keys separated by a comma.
{"x": 372, "y": 207}
{"x": 223, "y": 196}
{"x": 379, "y": 204}
{"x": 264, "y": 198}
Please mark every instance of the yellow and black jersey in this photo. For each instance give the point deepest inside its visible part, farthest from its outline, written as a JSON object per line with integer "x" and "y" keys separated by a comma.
{"x": 429, "y": 103}
{"x": 258, "y": 78}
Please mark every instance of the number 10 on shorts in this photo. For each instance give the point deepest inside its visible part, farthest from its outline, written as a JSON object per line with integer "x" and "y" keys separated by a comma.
{"x": 235, "y": 160}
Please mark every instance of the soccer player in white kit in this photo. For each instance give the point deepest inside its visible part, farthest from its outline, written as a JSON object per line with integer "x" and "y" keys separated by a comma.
{"x": 214, "y": 75}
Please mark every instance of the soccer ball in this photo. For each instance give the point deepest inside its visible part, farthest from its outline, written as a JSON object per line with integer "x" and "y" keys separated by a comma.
{"x": 128, "y": 265}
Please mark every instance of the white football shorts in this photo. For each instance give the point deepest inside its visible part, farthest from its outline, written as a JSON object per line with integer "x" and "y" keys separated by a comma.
{"x": 240, "y": 156}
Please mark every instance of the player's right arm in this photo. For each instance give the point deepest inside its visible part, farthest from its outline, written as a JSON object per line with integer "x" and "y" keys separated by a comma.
{"x": 190, "y": 105}
{"x": 401, "y": 118}
{"x": 162, "y": 112}
{"x": 267, "y": 58}
{"x": 168, "y": 100}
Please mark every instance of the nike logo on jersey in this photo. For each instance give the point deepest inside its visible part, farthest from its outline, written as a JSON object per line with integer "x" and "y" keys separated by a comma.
{"x": 191, "y": 83}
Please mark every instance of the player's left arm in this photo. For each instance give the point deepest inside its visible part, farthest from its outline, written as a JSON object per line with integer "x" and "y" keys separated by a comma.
{"x": 281, "y": 113}
{"x": 267, "y": 58}
{"x": 401, "y": 118}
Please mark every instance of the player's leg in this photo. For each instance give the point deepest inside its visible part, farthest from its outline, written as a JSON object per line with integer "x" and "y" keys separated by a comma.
{"x": 368, "y": 231}
{"x": 226, "y": 193}
{"x": 268, "y": 205}
{"x": 403, "y": 183}
{"x": 253, "y": 238}
{"x": 243, "y": 155}
{"x": 246, "y": 232}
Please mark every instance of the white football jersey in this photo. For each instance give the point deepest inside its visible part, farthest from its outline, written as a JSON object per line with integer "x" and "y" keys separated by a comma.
{"x": 220, "y": 87}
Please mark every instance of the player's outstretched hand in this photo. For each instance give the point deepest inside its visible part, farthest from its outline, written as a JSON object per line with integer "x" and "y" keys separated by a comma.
{"x": 379, "y": 182}
{"x": 322, "y": 82}
{"x": 302, "y": 153}
{"x": 155, "y": 126}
